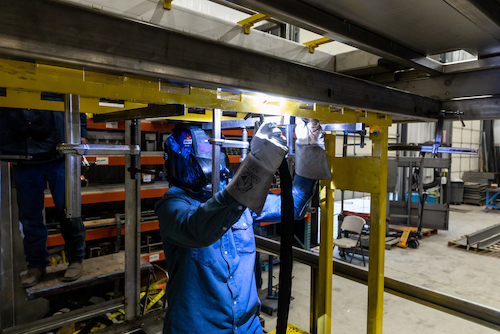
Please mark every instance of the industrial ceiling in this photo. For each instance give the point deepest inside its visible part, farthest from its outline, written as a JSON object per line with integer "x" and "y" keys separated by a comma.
{"x": 399, "y": 35}
{"x": 406, "y": 34}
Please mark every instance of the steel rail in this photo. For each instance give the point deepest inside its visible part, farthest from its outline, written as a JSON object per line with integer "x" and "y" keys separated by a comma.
{"x": 480, "y": 314}
{"x": 46, "y": 324}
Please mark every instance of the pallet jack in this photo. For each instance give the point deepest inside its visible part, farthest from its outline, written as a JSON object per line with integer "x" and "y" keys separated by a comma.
{"x": 411, "y": 235}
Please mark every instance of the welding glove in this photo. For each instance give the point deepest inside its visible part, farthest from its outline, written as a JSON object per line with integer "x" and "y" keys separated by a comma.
{"x": 251, "y": 182}
{"x": 310, "y": 156}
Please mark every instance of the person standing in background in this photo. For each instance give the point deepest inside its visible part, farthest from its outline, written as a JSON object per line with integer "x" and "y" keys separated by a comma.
{"x": 36, "y": 134}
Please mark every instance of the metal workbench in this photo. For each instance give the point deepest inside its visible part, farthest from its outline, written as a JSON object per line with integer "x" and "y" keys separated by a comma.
{"x": 492, "y": 196}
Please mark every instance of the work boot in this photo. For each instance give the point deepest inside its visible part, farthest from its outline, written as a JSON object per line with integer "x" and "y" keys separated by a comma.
{"x": 32, "y": 277}
{"x": 73, "y": 272}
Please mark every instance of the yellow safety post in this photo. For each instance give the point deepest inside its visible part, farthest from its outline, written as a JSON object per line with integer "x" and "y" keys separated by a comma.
{"x": 317, "y": 42}
{"x": 379, "y": 136}
{"x": 325, "y": 271}
{"x": 249, "y": 22}
{"x": 167, "y": 4}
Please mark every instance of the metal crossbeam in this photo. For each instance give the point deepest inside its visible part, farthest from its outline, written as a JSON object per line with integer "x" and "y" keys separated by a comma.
{"x": 300, "y": 14}
{"x": 120, "y": 45}
{"x": 455, "y": 85}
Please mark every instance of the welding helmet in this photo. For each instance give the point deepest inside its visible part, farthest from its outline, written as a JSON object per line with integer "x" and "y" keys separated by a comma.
{"x": 188, "y": 158}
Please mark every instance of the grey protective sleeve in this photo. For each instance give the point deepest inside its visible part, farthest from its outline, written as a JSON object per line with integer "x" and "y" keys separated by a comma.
{"x": 311, "y": 162}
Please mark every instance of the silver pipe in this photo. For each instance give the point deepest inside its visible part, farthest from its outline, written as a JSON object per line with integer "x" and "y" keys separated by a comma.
{"x": 216, "y": 134}
{"x": 244, "y": 138}
{"x": 72, "y": 161}
{"x": 289, "y": 138}
{"x": 477, "y": 313}
{"x": 132, "y": 233}
{"x": 342, "y": 192}
{"x": 7, "y": 312}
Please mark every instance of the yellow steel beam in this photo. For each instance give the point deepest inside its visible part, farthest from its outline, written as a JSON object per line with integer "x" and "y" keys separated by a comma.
{"x": 90, "y": 106}
{"x": 379, "y": 136}
{"x": 23, "y": 76}
{"x": 28, "y": 100}
{"x": 356, "y": 174}
{"x": 250, "y": 21}
{"x": 317, "y": 42}
{"x": 325, "y": 271}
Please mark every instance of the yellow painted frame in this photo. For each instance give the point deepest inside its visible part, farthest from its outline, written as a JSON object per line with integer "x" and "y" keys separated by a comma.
{"x": 25, "y": 81}
{"x": 34, "y": 78}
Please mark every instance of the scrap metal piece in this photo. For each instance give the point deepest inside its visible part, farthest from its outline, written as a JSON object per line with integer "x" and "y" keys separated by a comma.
{"x": 151, "y": 111}
{"x": 95, "y": 149}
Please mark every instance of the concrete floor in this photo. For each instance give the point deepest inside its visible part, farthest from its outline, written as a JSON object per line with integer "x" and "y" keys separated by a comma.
{"x": 433, "y": 265}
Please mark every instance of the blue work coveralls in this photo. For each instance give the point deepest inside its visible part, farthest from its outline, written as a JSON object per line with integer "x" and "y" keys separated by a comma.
{"x": 36, "y": 133}
{"x": 209, "y": 250}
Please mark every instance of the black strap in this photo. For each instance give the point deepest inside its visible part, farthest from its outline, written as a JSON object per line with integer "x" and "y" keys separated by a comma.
{"x": 286, "y": 259}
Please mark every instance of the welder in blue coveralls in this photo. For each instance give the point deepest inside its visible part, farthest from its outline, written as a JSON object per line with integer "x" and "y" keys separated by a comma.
{"x": 208, "y": 240}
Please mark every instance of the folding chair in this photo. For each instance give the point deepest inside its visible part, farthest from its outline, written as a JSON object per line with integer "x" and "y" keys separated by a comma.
{"x": 353, "y": 224}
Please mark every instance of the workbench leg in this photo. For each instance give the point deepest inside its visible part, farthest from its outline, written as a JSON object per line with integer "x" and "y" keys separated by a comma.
{"x": 325, "y": 271}
{"x": 379, "y": 136}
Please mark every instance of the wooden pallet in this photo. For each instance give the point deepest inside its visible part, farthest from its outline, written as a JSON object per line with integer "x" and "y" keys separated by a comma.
{"x": 493, "y": 250}
{"x": 427, "y": 232}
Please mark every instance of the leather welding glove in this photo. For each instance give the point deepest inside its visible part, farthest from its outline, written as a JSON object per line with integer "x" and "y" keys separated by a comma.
{"x": 252, "y": 180}
{"x": 310, "y": 157}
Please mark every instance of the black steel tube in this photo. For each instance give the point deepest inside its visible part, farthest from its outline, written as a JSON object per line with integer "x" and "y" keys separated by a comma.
{"x": 134, "y": 140}
{"x": 286, "y": 258}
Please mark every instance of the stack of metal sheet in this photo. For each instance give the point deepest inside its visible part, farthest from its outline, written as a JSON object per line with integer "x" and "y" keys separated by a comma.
{"x": 475, "y": 186}
{"x": 475, "y": 193}
{"x": 480, "y": 177}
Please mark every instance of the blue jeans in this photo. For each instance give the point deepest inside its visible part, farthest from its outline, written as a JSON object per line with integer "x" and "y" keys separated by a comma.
{"x": 30, "y": 182}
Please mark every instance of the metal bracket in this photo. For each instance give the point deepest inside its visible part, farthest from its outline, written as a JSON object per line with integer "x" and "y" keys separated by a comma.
{"x": 167, "y": 4}
{"x": 249, "y": 22}
{"x": 317, "y": 42}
